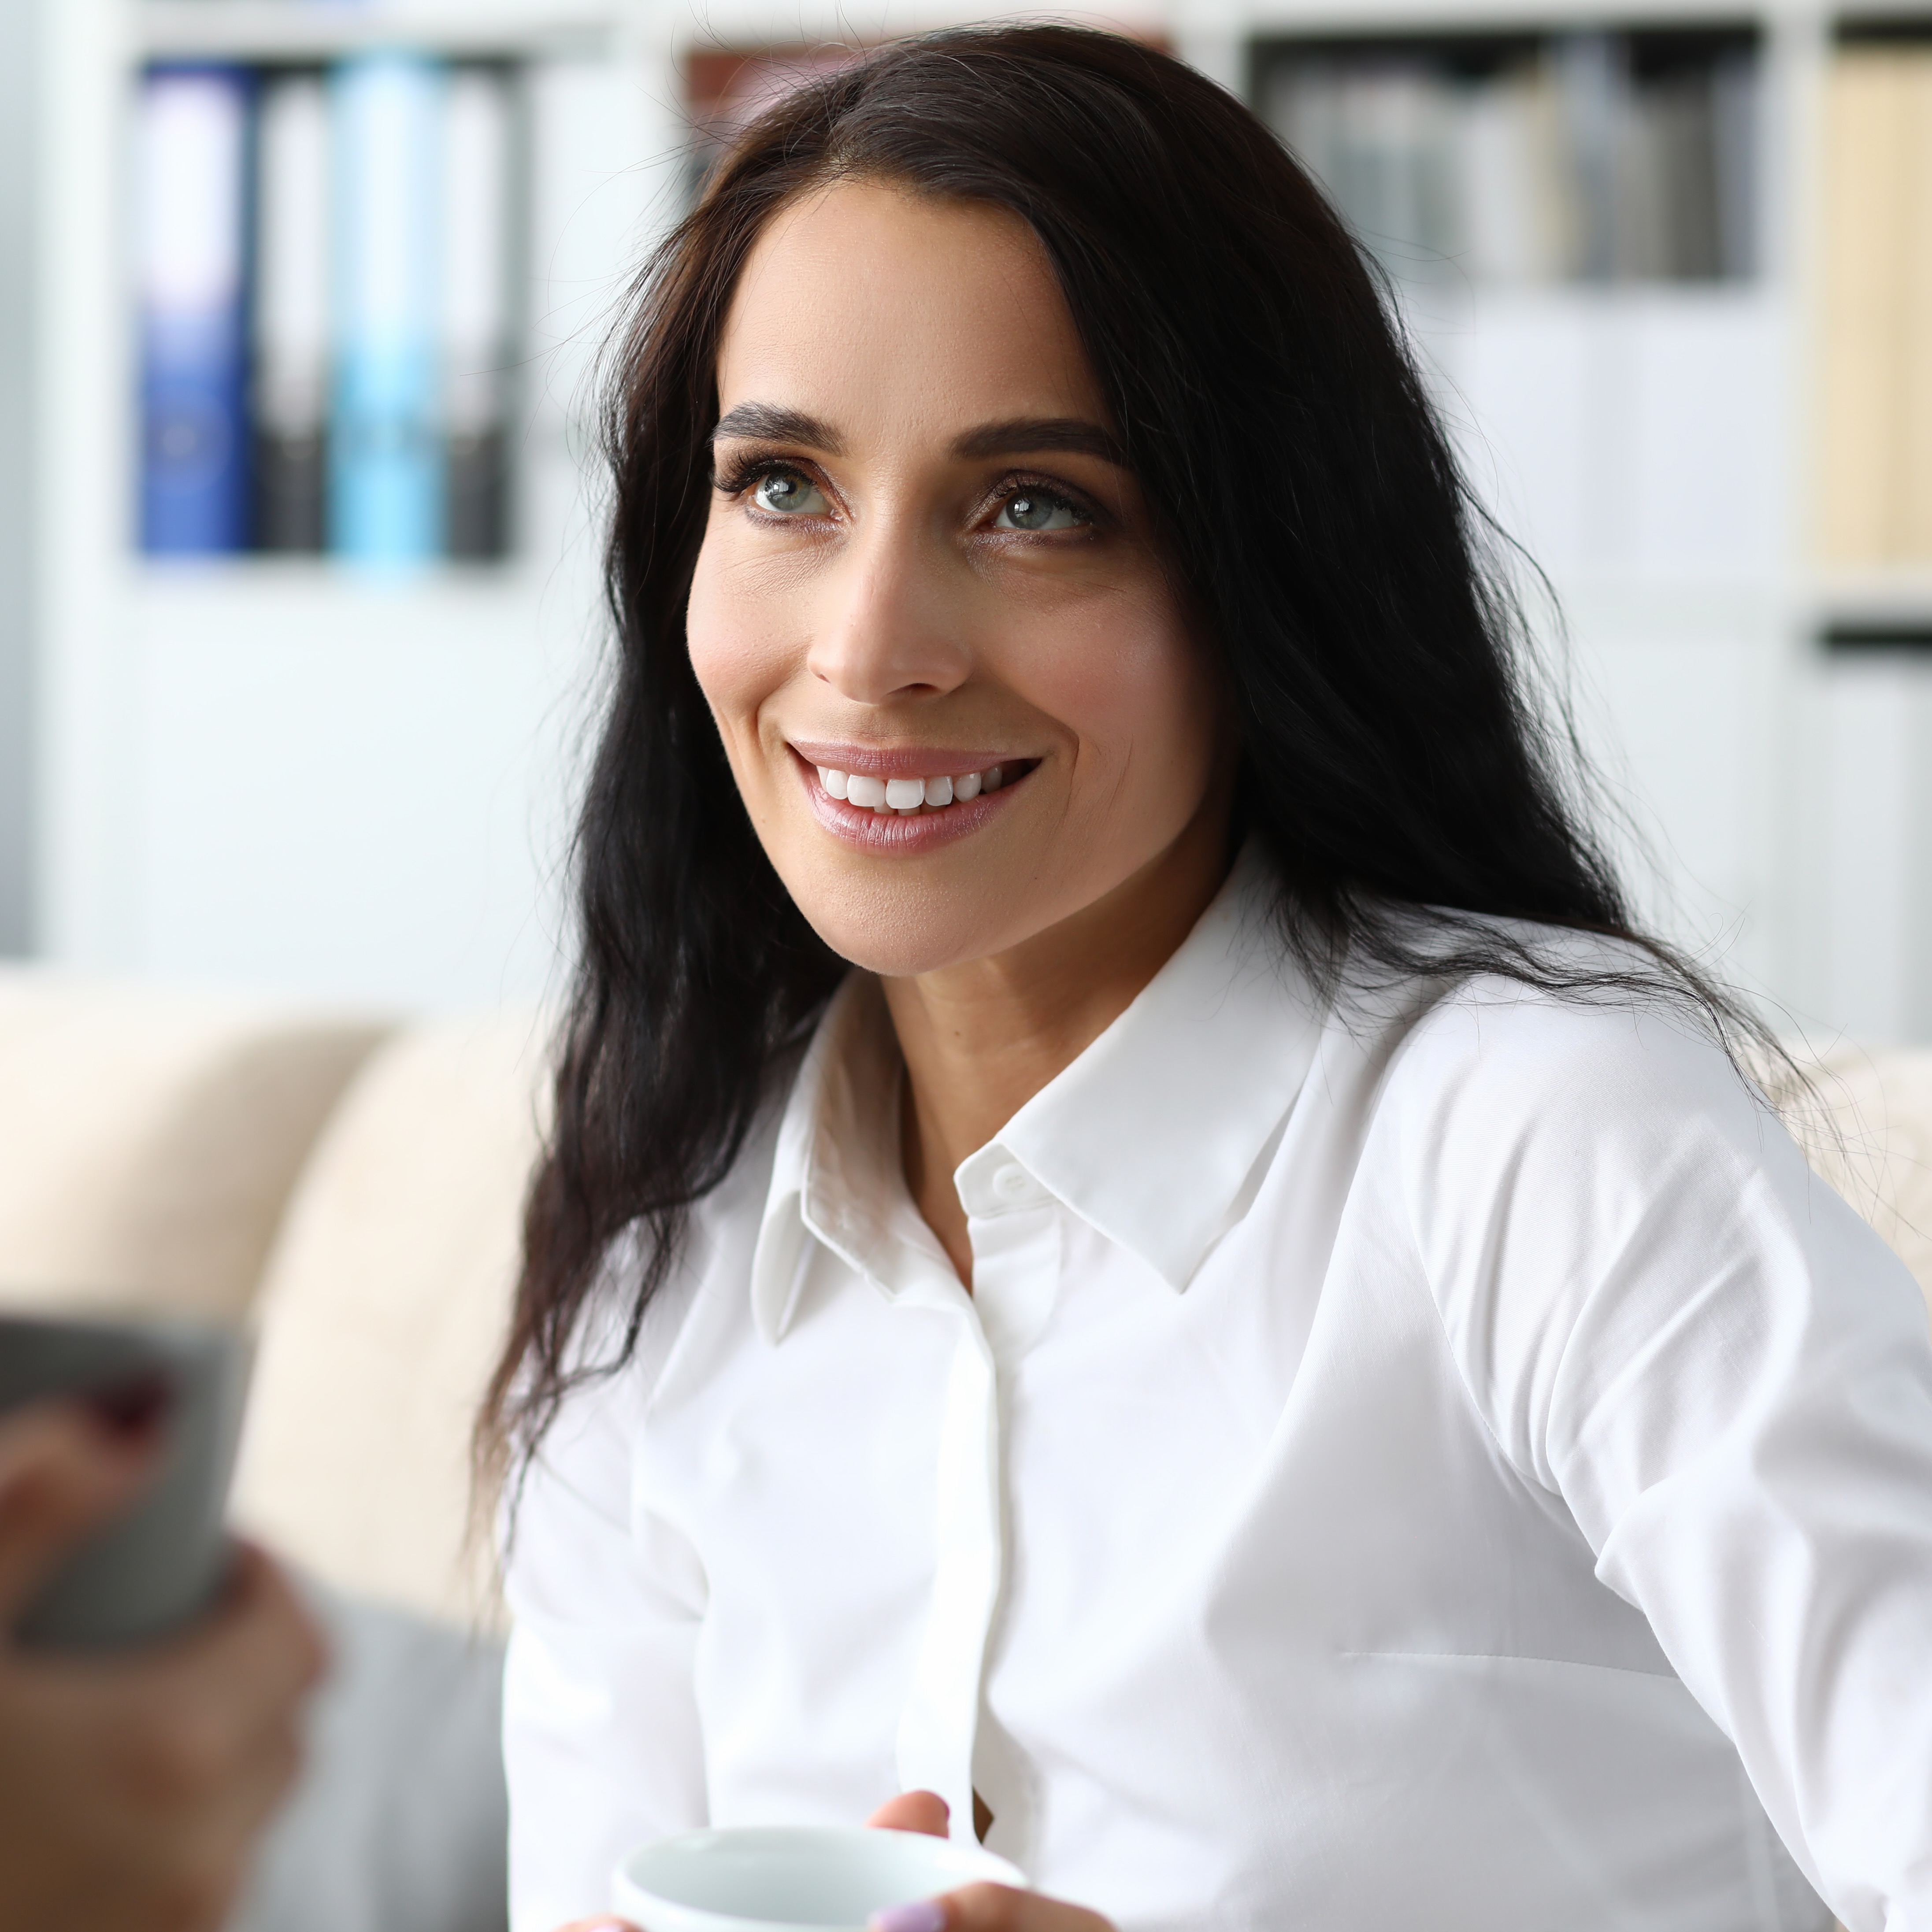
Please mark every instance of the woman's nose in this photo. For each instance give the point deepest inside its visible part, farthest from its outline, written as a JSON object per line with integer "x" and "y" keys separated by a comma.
{"x": 892, "y": 627}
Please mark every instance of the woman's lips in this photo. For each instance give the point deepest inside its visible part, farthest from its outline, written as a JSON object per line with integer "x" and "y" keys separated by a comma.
{"x": 906, "y": 813}
{"x": 911, "y": 761}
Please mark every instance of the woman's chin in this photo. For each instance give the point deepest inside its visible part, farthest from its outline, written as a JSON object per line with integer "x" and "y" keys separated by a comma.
{"x": 901, "y": 935}
{"x": 893, "y": 959}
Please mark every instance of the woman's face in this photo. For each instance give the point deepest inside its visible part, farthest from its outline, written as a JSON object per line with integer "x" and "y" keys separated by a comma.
{"x": 925, "y": 578}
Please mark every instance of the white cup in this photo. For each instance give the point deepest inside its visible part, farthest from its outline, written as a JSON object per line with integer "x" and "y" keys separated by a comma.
{"x": 793, "y": 1878}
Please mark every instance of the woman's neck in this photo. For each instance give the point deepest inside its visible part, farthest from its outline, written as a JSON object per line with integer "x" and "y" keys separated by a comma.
{"x": 980, "y": 1039}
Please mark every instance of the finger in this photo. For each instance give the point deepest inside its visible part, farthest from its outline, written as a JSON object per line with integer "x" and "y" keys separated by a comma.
{"x": 234, "y": 1682}
{"x": 598, "y": 1925}
{"x": 259, "y": 1631}
{"x": 925, "y": 1811}
{"x": 989, "y": 1908}
{"x": 231, "y": 1811}
{"x": 196, "y": 1798}
{"x": 209, "y": 1847}
{"x": 65, "y": 1468}
{"x": 257, "y": 1577}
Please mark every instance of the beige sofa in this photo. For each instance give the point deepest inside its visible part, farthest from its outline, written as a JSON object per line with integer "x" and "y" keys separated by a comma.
{"x": 350, "y": 1186}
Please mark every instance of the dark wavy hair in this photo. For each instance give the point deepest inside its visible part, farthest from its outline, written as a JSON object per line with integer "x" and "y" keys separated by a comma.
{"x": 1395, "y": 764}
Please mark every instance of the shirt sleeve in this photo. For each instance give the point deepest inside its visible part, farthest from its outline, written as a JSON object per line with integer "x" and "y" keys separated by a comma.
{"x": 601, "y": 1741}
{"x": 1669, "y": 1323}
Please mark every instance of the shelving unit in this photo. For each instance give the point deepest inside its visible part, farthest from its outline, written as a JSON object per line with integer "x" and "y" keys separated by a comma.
{"x": 1607, "y": 156}
{"x": 1656, "y": 442}
{"x": 1614, "y": 414}
{"x": 284, "y": 30}
{"x": 262, "y": 771}
{"x": 269, "y": 770}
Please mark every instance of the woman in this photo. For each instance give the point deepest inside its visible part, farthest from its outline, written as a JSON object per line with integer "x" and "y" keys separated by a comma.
{"x": 1137, "y": 1257}
{"x": 132, "y": 1787}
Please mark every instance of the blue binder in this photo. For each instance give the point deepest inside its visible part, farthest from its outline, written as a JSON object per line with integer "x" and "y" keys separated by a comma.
{"x": 386, "y": 494}
{"x": 193, "y": 135}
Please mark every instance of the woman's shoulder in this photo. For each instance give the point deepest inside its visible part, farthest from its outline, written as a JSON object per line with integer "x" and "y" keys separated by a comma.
{"x": 1606, "y": 1046}
{"x": 620, "y": 1349}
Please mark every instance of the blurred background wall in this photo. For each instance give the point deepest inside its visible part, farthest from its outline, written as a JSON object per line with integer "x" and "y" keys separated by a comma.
{"x": 299, "y": 304}
{"x": 18, "y": 141}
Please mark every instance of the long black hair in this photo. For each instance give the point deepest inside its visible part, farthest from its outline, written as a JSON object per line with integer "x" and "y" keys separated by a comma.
{"x": 1393, "y": 764}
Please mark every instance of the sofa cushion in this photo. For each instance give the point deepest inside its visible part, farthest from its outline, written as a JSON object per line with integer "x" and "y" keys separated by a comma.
{"x": 1877, "y": 1151}
{"x": 384, "y": 1307}
{"x": 149, "y": 1139}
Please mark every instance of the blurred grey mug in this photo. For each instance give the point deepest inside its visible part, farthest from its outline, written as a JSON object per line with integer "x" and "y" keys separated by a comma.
{"x": 158, "y": 1566}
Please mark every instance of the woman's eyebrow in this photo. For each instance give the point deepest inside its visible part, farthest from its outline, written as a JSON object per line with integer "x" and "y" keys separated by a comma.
{"x": 768, "y": 423}
{"x": 1033, "y": 434}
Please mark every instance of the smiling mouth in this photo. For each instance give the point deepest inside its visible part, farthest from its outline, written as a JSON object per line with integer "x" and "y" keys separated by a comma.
{"x": 905, "y": 797}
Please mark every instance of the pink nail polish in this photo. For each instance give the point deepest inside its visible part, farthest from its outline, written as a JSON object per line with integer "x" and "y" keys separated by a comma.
{"x": 923, "y": 1915}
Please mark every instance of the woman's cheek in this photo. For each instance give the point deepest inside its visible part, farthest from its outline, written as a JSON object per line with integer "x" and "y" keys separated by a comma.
{"x": 732, "y": 638}
{"x": 1134, "y": 688}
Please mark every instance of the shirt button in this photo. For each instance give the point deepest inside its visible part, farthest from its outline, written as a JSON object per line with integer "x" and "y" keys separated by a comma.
{"x": 1012, "y": 1183}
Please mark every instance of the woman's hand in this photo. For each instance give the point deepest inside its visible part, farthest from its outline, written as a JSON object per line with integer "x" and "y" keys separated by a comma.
{"x": 973, "y": 1908}
{"x": 133, "y": 1784}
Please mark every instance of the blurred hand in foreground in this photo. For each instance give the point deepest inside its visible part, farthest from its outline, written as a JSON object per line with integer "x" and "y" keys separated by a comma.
{"x": 133, "y": 1784}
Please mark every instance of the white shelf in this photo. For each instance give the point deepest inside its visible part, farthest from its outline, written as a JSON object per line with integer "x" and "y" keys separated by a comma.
{"x": 1900, "y": 596}
{"x": 1351, "y": 19}
{"x": 255, "y": 590}
{"x": 1907, "y": 12}
{"x": 287, "y": 30}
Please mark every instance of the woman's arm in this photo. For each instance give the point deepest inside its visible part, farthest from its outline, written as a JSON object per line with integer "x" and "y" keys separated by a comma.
{"x": 601, "y": 1740}
{"x": 1670, "y": 1324}
{"x": 132, "y": 1785}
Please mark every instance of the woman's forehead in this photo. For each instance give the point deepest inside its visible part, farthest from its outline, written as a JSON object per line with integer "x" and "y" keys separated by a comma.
{"x": 867, "y": 307}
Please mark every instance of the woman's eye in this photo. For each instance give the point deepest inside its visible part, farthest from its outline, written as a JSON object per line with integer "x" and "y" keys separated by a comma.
{"x": 1038, "y": 510}
{"x": 787, "y": 493}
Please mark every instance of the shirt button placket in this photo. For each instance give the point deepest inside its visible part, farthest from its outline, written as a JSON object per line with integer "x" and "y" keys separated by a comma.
{"x": 941, "y": 1715}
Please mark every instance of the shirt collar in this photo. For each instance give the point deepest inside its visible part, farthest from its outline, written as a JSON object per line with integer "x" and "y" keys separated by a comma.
{"x": 1150, "y": 1135}
{"x": 837, "y": 1175}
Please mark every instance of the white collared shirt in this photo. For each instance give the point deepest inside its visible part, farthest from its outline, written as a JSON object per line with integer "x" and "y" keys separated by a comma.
{"x": 1443, "y": 1465}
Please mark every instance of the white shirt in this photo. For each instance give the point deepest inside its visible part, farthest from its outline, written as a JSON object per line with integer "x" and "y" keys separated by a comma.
{"x": 1447, "y": 1464}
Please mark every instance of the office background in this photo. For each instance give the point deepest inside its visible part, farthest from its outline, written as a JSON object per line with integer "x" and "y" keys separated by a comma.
{"x": 1671, "y": 274}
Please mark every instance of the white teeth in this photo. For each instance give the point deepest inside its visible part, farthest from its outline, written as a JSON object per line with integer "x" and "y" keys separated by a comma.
{"x": 906, "y": 795}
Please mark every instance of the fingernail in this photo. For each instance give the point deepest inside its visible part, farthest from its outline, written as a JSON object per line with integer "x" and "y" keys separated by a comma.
{"x": 923, "y": 1915}
{"x": 133, "y": 1407}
